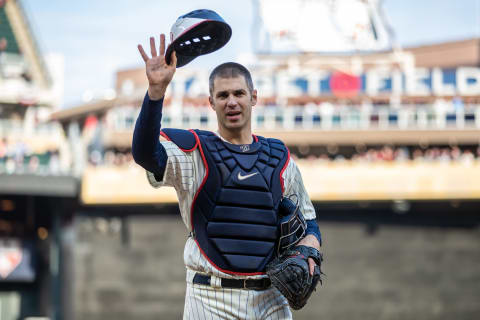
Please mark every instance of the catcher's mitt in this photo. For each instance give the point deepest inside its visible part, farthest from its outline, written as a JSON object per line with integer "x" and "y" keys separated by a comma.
{"x": 289, "y": 273}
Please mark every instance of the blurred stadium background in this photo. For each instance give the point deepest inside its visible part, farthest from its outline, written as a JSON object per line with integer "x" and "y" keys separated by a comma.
{"x": 387, "y": 139}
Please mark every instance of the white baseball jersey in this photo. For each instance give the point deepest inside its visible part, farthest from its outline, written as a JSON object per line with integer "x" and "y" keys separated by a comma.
{"x": 185, "y": 172}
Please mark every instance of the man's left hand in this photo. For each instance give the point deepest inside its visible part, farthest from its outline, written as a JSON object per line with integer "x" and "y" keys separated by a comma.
{"x": 310, "y": 241}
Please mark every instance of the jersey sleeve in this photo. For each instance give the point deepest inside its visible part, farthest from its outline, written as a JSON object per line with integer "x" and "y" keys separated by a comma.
{"x": 179, "y": 171}
{"x": 294, "y": 187}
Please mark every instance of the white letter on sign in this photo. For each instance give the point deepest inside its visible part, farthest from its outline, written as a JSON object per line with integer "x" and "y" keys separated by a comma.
{"x": 439, "y": 87}
{"x": 465, "y": 87}
{"x": 415, "y": 82}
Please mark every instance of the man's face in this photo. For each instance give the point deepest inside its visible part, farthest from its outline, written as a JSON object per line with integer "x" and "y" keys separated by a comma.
{"x": 232, "y": 101}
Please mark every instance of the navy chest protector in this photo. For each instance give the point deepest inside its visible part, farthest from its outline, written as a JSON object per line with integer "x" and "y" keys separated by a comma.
{"x": 234, "y": 214}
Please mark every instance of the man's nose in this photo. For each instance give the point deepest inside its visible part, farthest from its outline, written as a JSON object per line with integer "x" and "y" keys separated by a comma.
{"x": 231, "y": 101}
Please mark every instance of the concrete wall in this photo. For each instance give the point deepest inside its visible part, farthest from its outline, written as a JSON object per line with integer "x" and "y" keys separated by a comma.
{"x": 396, "y": 272}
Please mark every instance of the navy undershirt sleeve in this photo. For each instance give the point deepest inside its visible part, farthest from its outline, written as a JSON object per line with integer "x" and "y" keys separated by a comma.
{"x": 147, "y": 150}
{"x": 312, "y": 228}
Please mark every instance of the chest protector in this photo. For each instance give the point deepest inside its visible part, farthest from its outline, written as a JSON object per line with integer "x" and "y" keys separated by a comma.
{"x": 234, "y": 213}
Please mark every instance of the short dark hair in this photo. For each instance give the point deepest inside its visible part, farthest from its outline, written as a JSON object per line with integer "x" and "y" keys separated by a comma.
{"x": 230, "y": 70}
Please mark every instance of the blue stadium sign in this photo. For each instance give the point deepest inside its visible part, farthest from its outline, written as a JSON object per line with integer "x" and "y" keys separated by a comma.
{"x": 462, "y": 81}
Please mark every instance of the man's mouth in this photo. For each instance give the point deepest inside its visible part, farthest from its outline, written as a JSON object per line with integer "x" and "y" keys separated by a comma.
{"x": 233, "y": 115}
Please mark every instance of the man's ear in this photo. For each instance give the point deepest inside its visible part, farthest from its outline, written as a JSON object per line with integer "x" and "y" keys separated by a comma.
{"x": 210, "y": 99}
{"x": 254, "y": 97}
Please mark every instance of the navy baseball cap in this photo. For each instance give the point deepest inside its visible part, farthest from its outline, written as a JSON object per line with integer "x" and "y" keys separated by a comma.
{"x": 196, "y": 33}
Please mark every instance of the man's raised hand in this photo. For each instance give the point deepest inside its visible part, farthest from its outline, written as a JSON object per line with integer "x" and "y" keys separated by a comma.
{"x": 159, "y": 73}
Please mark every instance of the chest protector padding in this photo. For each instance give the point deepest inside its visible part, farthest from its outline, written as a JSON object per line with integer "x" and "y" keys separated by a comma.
{"x": 235, "y": 213}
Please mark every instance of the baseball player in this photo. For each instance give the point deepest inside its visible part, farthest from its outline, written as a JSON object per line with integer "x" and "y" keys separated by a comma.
{"x": 229, "y": 184}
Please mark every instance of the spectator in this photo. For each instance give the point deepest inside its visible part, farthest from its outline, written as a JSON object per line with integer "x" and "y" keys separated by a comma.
{"x": 467, "y": 158}
{"x": 18, "y": 157}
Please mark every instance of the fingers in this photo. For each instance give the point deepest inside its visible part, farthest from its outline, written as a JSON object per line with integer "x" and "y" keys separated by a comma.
{"x": 173, "y": 59}
{"x": 153, "y": 50}
{"x": 162, "y": 44}
{"x": 311, "y": 265}
{"x": 142, "y": 53}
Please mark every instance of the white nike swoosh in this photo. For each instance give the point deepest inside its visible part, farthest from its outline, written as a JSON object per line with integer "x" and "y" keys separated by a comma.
{"x": 240, "y": 177}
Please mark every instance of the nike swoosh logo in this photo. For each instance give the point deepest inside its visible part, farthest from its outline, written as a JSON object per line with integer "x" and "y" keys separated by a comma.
{"x": 240, "y": 177}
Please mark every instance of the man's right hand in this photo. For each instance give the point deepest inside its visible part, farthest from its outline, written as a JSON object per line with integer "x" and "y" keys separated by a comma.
{"x": 159, "y": 73}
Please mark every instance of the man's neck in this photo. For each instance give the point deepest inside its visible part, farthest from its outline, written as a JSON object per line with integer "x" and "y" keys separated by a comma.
{"x": 240, "y": 137}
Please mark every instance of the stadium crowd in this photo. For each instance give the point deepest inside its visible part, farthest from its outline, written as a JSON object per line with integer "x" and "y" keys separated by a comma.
{"x": 123, "y": 157}
{"x": 112, "y": 157}
{"x": 453, "y": 154}
{"x": 20, "y": 157}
